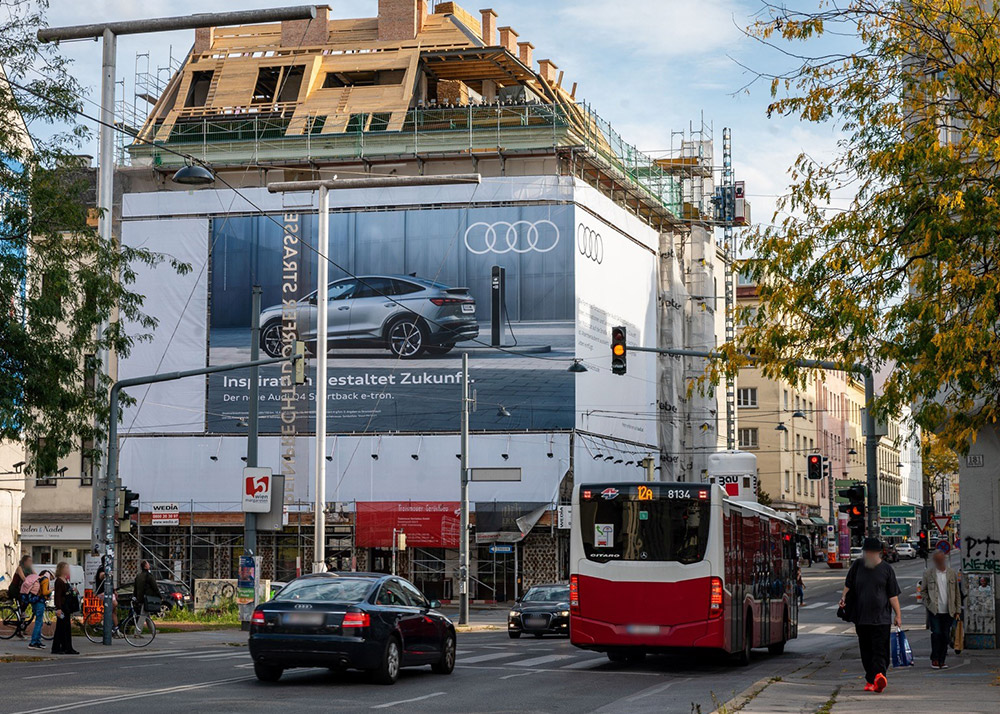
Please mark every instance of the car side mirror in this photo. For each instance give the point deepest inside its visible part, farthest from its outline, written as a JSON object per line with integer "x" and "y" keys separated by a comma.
{"x": 435, "y": 604}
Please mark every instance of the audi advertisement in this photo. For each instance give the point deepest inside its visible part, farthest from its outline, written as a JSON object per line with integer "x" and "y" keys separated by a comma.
{"x": 408, "y": 292}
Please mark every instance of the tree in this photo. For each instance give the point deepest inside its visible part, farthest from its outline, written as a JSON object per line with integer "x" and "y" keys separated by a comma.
{"x": 940, "y": 464}
{"x": 58, "y": 280}
{"x": 907, "y": 277}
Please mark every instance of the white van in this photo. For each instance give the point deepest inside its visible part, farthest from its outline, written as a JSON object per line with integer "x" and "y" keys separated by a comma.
{"x": 76, "y": 576}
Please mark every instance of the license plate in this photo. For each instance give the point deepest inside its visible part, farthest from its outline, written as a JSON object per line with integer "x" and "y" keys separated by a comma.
{"x": 534, "y": 621}
{"x": 304, "y": 618}
{"x": 643, "y": 629}
{"x": 468, "y": 307}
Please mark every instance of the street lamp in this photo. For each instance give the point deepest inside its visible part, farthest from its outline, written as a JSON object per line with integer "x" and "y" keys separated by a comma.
{"x": 323, "y": 187}
{"x": 193, "y": 175}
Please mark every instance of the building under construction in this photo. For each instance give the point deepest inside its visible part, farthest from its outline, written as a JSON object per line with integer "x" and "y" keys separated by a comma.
{"x": 587, "y": 231}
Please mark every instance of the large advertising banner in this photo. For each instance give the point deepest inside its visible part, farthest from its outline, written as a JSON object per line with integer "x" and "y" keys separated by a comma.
{"x": 409, "y": 292}
{"x": 427, "y": 524}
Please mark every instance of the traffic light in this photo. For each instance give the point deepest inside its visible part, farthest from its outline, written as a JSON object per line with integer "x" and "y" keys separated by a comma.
{"x": 618, "y": 350}
{"x": 827, "y": 468}
{"x": 854, "y": 508}
{"x": 814, "y": 467}
{"x": 300, "y": 363}
{"x": 923, "y": 544}
{"x": 127, "y": 507}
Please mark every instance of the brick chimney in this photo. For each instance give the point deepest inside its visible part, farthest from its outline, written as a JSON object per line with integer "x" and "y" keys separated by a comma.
{"x": 547, "y": 68}
{"x": 489, "y": 33}
{"x": 508, "y": 39}
{"x": 400, "y": 19}
{"x": 524, "y": 53}
{"x": 203, "y": 37}
{"x": 307, "y": 33}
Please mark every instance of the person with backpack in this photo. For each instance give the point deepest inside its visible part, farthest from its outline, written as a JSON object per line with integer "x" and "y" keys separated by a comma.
{"x": 14, "y": 589}
{"x": 35, "y": 591}
{"x": 67, "y": 602}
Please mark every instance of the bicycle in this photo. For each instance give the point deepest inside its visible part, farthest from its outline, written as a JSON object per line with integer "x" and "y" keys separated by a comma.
{"x": 138, "y": 629}
{"x": 17, "y": 621}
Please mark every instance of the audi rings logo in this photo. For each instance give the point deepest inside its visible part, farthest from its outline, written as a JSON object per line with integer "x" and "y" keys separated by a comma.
{"x": 517, "y": 237}
{"x": 590, "y": 243}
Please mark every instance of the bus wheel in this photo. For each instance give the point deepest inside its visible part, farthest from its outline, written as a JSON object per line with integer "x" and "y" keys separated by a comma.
{"x": 778, "y": 648}
{"x": 743, "y": 658}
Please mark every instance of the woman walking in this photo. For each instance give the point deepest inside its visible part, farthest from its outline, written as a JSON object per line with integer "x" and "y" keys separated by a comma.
{"x": 62, "y": 641}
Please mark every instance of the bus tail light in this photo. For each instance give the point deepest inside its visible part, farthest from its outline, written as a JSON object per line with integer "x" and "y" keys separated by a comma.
{"x": 574, "y": 594}
{"x": 715, "y": 598}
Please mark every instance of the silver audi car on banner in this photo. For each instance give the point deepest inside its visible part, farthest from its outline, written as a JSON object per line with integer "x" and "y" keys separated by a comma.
{"x": 407, "y": 315}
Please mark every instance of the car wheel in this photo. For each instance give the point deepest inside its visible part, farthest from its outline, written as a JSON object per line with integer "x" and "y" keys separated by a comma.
{"x": 439, "y": 350}
{"x": 446, "y": 665}
{"x": 388, "y": 671}
{"x": 271, "y": 340}
{"x": 266, "y": 672}
{"x": 407, "y": 338}
{"x": 514, "y": 635}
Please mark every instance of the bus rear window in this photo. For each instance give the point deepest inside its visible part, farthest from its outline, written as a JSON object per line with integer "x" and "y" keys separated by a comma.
{"x": 656, "y": 529}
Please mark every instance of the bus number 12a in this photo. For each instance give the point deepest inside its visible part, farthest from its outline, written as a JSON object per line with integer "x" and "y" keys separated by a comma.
{"x": 645, "y": 493}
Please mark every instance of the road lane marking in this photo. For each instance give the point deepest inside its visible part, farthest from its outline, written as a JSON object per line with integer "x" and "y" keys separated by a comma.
{"x": 153, "y": 653}
{"x": 53, "y": 674}
{"x": 814, "y": 605}
{"x": 822, "y": 629}
{"x": 617, "y": 672}
{"x": 407, "y": 701}
{"x": 137, "y": 695}
{"x": 519, "y": 674}
{"x": 656, "y": 690}
{"x": 220, "y": 655}
{"x": 542, "y": 660}
{"x": 910, "y": 607}
{"x": 833, "y": 607}
{"x": 584, "y": 664}
{"x": 488, "y": 657}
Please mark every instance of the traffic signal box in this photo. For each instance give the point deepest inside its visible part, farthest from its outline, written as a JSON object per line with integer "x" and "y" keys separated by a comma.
{"x": 128, "y": 506}
{"x": 814, "y": 464}
{"x": 619, "y": 352}
{"x": 854, "y": 508}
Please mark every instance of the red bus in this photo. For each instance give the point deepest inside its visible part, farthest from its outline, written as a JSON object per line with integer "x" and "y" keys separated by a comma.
{"x": 658, "y": 567}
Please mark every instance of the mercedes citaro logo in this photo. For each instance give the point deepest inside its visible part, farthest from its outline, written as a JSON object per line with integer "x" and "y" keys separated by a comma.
{"x": 590, "y": 243}
{"x": 511, "y": 237}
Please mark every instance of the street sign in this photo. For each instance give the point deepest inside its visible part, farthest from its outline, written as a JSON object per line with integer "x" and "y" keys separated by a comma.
{"x": 942, "y": 522}
{"x": 896, "y": 529}
{"x": 565, "y": 515}
{"x": 512, "y": 473}
{"x": 501, "y": 549}
{"x": 944, "y": 546}
{"x": 257, "y": 489}
{"x": 897, "y": 511}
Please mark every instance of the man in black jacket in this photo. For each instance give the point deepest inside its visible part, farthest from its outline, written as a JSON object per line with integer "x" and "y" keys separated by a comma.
{"x": 145, "y": 586}
{"x": 875, "y": 609}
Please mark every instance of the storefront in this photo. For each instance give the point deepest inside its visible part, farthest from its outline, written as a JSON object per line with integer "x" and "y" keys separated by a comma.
{"x": 53, "y": 542}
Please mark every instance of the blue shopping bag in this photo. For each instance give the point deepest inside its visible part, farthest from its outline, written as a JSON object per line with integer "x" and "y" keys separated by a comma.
{"x": 902, "y": 655}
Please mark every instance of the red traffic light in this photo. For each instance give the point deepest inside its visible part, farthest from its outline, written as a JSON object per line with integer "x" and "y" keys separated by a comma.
{"x": 814, "y": 459}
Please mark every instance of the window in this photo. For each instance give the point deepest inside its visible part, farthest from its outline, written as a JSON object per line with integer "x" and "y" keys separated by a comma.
{"x": 415, "y": 597}
{"x": 333, "y": 80}
{"x": 392, "y": 595}
{"x": 356, "y": 123}
{"x": 784, "y": 393}
{"x": 811, "y": 411}
{"x": 748, "y": 438}
{"x": 342, "y": 590}
{"x": 788, "y": 481}
{"x": 87, "y": 462}
{"x": 267, "y": 85}
{"x": 784, "y": 437}
{"x": 405, "y": 288}
{"x": 375, "y": 287}
{"x": 746, "y": 397}
{"x": 291, "y": 82}
{"x": 197, "y": 94}
{"x": 341, "y": 290}
{"x": 798, "y": 483}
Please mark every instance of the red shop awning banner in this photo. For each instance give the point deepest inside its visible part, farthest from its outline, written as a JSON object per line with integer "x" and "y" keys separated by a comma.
{"x": 427, "y": 524}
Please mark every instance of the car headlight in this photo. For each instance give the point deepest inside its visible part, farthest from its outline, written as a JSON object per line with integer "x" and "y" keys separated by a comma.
{"x": 564, "y": 613}
{"x": 513, "y": 613}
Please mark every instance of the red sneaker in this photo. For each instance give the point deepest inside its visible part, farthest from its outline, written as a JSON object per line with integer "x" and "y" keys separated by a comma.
{"x": 880, "y": 682}
{"x": 869, "y": 687}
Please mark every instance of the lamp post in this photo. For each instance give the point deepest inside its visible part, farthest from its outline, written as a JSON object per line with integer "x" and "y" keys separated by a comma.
{"x": 108, "y": 33}
{"x": 323, "y": 186}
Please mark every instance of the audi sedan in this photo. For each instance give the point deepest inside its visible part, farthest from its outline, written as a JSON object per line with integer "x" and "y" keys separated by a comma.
{"x": 407, "y": 315}
{"x": 368, "y": 621}
{"x": 544, "y": 610}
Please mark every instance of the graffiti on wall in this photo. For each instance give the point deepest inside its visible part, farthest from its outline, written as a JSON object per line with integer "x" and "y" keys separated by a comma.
{"x": 981, "y": 555}
{"x": 980, "y": 613}
{"x": 211, "y": 593}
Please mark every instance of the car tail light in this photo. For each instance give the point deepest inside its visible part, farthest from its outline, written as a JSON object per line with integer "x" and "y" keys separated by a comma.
{"x": 257, "y": 618}
{"x": 715, "y": 598}
{"x": 355, "y": 619}
{"x": 574, "y": 594}
{"x": 449, "y": 301}
{"x": 178, "y": 596}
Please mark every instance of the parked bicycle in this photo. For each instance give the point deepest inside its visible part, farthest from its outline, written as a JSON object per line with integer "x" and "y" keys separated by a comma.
{"x": 20, "y": 621}
{"x": 136, "y": 627}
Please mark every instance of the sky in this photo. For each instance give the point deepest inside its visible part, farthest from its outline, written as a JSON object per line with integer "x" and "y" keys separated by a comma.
{"x": 650, "y": 67}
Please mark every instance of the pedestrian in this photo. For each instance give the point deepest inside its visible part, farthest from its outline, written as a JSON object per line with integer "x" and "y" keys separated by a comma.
{"x": 14, "y": 589}
{"x": 145, "y": 589}
{"x": 874, "y": 607}
{"x": 35, "y": 592}
{"x": 62, "y": 640}
{"x": 943, "y": 600}
{"x": 800, "y": 588}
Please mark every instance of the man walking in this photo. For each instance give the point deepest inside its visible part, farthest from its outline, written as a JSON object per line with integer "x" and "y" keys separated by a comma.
{"x": 874, "y": 593}
{"x": 943, "y": 600}
{"x": 145, "y": 587}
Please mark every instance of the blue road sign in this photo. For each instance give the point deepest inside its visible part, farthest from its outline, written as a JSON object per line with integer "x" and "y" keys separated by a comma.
{"x": 501, "y": 549}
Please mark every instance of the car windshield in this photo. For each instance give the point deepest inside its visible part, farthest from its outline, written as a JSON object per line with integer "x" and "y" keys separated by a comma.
{"x": 547, "y": 595}
{"x": 347, "y": 590}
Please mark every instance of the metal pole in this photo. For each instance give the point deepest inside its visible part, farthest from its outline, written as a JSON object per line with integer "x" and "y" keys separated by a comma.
{"x": 250, "y": 519}
{"x": 105, "y": 201}
{"x": 650, "y": 465}
{"x": 322, "y": 303}
{"x": 463, "y": 543}
{"x": 871, "y": 454}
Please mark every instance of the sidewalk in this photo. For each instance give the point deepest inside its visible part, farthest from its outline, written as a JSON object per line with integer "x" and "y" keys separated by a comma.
{"x": 835, "y": 685}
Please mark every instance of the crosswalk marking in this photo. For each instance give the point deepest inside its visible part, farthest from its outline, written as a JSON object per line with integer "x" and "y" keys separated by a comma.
{"x": 833, "y": 607}
{"x": 535, "y": 661}
{"x": 221, "y": 655}
{"x": 586, "y": 664}
{"x": 813, "y": 606}
{"x": 910, "y": 607}
{"x": 488, "y": 657}
{"x": 822, "y": 629}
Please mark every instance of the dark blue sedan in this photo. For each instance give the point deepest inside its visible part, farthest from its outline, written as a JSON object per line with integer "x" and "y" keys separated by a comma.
{"x": 368, "y": 621}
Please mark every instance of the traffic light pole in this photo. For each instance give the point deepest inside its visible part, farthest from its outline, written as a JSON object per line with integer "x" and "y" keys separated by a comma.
{"x": 111, "y": 485}
{"x": 871, "y": 438}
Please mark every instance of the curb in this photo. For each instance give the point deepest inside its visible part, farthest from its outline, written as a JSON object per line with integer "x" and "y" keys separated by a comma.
{"x": 745, "y": 697}
{"x": 480, "y": 628}
{"x": 10, "y": 657}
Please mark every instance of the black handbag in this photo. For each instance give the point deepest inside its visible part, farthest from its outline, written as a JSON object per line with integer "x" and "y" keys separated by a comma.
{"x": 71, "y": 602}
{"x": 846, "y": 613}
{"x": 152, "y": 603}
